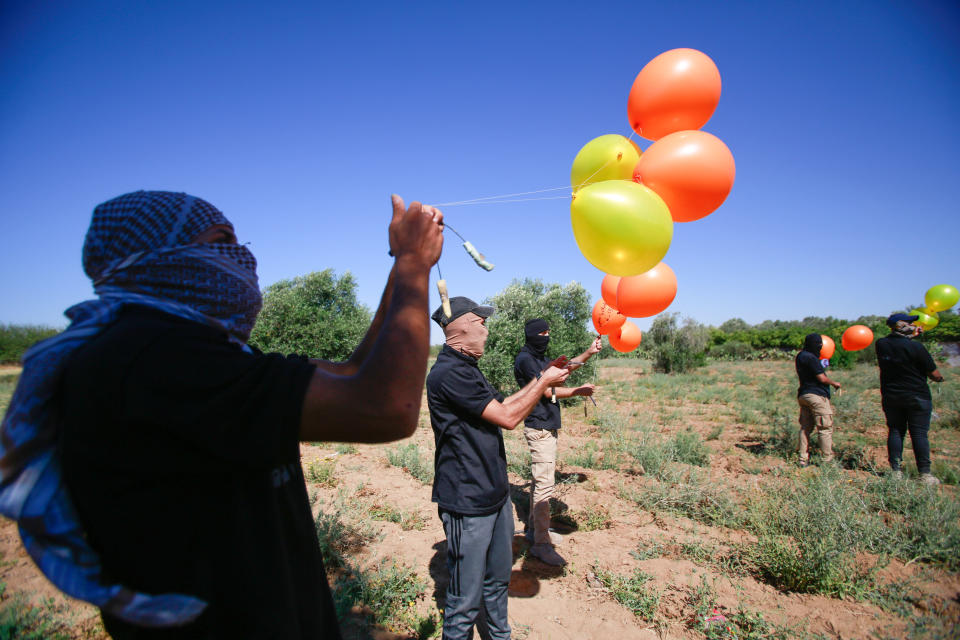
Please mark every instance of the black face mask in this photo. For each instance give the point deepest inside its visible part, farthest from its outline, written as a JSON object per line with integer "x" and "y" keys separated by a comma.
{"x": 538, "y": 344}
{"x": 813, "y": 343}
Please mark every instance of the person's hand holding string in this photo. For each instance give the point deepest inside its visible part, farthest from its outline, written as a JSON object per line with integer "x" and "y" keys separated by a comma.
{"x": 416, "y": 232}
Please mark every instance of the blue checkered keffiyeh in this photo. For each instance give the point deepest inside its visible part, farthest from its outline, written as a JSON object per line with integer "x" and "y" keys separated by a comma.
{"x": 137, "y": 251}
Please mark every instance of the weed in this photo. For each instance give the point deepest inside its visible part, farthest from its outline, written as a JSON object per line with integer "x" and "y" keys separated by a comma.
{"x": 740, "y": 625}
{"x": 632, "y": 592}
{"x": 647, "y": 550}
{"x": 592, "y": 518}
{"x": 584, "y": 456}
{"x": 21, "y": 619}
{"x": 715, "y": 432}
{"x": 321, "y": 472}
{"x": 345, "y": 448}
{"x": 407, "y": 457}
{"x": 387, "y": 594}
{"x": 342, "y": 530}
{"x": 686, "y": 494}
{"x": 688, "y": 447}
{"x": 408, "y": 520}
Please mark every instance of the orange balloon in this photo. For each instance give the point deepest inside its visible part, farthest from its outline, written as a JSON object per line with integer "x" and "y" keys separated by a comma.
{"x": 648, "y": 293}
{"x": 829, "y": 346}
{"x": 856, "y": 338}
{"x": 627, "y": 339}
{"x": 676, "y": 91}
{"x": 606, "y": 318}
{"x": 608, "y": 290}
{"x": 692, "y": 171}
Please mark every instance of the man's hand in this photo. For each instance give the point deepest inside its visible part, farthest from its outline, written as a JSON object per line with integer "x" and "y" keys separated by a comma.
{"x": 585, "y": 390}
{"x": 595, "y": 347}
{"x": 836, "y": 385}
{"x": 416, "y": 232}
{"x": 554, "y": 376}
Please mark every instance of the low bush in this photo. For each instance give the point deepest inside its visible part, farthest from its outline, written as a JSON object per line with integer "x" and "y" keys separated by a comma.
{"x": 632, "y": 592}
{"x": 407, "y": 457}
{"x": 15, "y": 339}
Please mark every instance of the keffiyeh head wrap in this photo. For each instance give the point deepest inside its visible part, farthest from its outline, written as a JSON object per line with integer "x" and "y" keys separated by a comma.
{"x": 138, "y": 250}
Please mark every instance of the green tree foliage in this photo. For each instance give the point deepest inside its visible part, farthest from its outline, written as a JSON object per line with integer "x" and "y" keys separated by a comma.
{"x": 675, "y": 347}
{"x": 566, "y": 308}
{"x": 316, "y": 315}
{"x": 15, "y": 339}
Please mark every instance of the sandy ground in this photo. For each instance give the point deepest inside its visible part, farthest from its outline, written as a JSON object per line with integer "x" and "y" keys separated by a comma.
{"x": 570, "y": 603}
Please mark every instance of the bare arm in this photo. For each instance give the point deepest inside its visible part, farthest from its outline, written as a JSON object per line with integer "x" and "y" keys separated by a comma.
{"x": 377, "y": 398}
{"x": 511, "y": 411}
{"x": 823, "y": 379}
{"x": 593, "y": 349}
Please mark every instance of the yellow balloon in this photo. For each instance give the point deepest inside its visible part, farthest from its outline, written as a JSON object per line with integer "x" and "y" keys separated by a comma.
{"x": 623, "y": 228}
{"x": 941, "y": 297}
{"x": 609, "y": 157}
{"x": 928, "y": 319}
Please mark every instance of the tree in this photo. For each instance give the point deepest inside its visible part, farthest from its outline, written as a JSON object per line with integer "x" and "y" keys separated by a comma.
{"x": 566, "y": 308}
{"x": 316, "y": 315}
{"x": 677, "y": 348}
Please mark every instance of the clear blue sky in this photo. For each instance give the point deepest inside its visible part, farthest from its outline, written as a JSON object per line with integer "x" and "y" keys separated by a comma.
{"x": 299, "y": 120}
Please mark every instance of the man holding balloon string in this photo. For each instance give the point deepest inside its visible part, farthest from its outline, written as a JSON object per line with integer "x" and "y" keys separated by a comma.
{"x": 813, "y": 396}
{"x": 905, "y": 366}
{"x": 541, "y": 430}
{"x": 470, "y": 483}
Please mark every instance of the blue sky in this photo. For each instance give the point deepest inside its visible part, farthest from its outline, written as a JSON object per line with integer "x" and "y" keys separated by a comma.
{"x": 299, "y": 120}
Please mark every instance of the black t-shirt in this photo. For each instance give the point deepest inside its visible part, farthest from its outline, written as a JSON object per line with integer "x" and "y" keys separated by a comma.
{"x": 904, "y": 365}
{"x": 181, "y": 453}
{"x": 470, "y": 463}
{"x": 526, "y": 366}
{"x": 808, "y": 368}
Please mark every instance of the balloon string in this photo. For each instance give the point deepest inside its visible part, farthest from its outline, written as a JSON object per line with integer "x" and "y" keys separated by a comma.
{"x": 499, "y": 199}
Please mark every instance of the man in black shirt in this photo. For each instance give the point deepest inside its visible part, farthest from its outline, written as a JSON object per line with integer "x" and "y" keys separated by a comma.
{"x": 813, "y": 396}
{"x": 541, "y": 428}
{"x": 182, "y": 510}
{"x": 905, "y": 366}
{"x": 470, "y": 483}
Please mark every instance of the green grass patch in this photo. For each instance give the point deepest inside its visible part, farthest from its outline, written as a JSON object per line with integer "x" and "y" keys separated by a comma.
{"x": 408, "y": 458}
{"x": 632, "y": 592}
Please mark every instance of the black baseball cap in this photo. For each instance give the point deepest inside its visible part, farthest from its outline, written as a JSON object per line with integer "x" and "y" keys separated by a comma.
{"x": 460, "y": 305}
{"x": 898, "y": 317}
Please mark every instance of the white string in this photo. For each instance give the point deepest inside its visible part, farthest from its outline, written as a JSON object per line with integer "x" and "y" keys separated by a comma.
{"x": 499, "y": 199}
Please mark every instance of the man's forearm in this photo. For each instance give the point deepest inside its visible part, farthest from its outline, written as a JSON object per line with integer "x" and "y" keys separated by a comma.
{"x": 520, "y": 404}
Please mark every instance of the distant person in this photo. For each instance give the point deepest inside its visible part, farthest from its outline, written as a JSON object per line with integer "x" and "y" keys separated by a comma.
{"x": 184, "y": 512}
{"x": 541, "y": 429}
{"x": 905, "y": 366}
{"x": 813, "y": 395}
{"x": 470, "y": 484}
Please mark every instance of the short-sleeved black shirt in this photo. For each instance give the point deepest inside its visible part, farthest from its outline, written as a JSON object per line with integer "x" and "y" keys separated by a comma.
{"x": 526, "y": 366}
{"x": 808, "y": 368}
{"x": 470, "y": 462}
{"x": 181, "y": 453}
{"x": 904, "y": 365}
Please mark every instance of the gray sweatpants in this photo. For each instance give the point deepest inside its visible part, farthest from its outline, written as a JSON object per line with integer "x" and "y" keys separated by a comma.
{"x": 479, "y": 559}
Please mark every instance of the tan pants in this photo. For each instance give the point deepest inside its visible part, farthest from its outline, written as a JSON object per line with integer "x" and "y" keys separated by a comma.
{"x": 816, "y": 412}
{"x": 543, "y": 454}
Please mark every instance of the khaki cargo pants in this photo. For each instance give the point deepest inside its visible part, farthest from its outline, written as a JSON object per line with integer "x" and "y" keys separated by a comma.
{"x": 815, "y": 412}
{"x": 543, "y": 454}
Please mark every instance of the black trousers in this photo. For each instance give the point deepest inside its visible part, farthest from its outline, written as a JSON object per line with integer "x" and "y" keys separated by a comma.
{"x": 911, "y": 414}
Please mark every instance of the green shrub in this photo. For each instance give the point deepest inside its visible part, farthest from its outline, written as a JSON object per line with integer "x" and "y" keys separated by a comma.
{"x": 408, "y": 458}
{"x": 321, "y": 472}
{"x": 631, "y": 591}
{"x": 316, "y": 315}
{"x": 21, "y": 620}
{"x": 566, "y": 308}
{"x": 387, "y": 592}
{"x": 676, "y": 349}
{"x": 15, "y": 339}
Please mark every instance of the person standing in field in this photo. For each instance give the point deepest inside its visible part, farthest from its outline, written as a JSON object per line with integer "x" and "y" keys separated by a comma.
{"x": 152, "y": 457}
{"x": 470, "y": 483}
{"x": 905, "y": 366}
{"x": 541, "y": 430}
{"x": 813, "y": 395}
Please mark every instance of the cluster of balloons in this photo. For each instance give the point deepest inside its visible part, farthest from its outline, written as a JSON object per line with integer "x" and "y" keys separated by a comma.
{"x": 625, "y": 200}
{"x": 937, "y": 298}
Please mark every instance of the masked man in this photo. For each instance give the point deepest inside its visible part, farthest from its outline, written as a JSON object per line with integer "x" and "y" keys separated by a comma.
{"x": 151, "y": 456}
{"x": 813, "y": 395}
{"x": 905, "y": 366}
{"x": 470, "y": 483}
{"x": 541, "y": 429}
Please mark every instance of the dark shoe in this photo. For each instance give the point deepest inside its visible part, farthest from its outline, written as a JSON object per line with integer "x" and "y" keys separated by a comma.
{"x": 546, "y": 554}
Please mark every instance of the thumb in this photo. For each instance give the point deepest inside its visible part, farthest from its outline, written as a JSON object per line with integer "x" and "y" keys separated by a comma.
{"x": 398, "y": 207}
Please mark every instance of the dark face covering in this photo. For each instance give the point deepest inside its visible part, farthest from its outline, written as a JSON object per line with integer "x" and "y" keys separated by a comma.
{"x": 536, "y": 343}
{"x": 813, "y": 343}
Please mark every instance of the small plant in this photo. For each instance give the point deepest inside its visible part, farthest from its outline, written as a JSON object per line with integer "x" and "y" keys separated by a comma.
{"x": 23, "y": 620}
{"x": 584, "y": 456}
{"x": 407, "y": 457}
{"x": 387, "y": 593}
{"x": 715, "y": 432}
{"x": 592, "y": 518}
{"x": 689, "y": 448}
{"x": 322, "y": 473}
{"x": 647, "y": 550}
{"x": 408, "y": 520}
{"x": 632, "y": 592}
{"x": 345, "y": 448}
